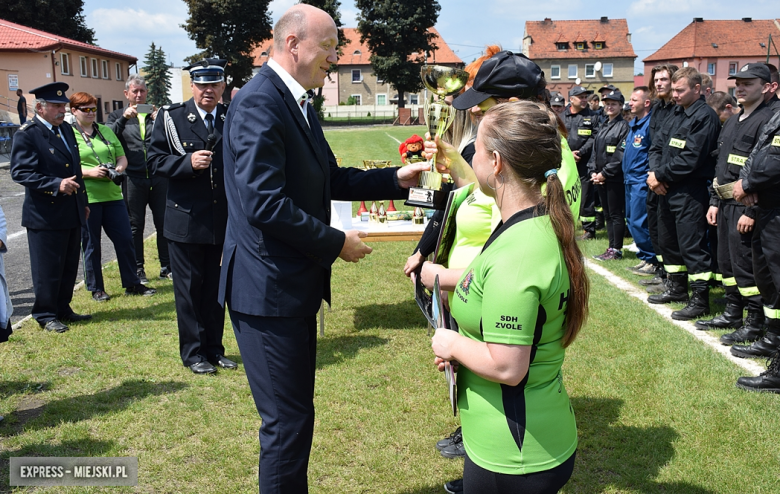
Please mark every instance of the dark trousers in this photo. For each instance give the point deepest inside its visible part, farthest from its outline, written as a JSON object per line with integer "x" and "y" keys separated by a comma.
{"x": 735, "y": 258}
{"x": 682, "y": 231}
{"x": 613, "y": 202}
{"x": 766, "y": 259}
{"x": 636, "y": 218}
{"x": 200, "y": 317}
{"x": 138, "y": 193}
{"x": 477, "y": 480}
{"x": 279, "y": 356}
{"x": 652, "y": 223}
{"x": 54, "y": 264}
{"x": 588, "y": 205}
{"x": 112, "y": 217}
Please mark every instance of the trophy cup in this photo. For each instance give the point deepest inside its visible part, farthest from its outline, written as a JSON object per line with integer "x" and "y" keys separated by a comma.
{"x": 441, "y": 81}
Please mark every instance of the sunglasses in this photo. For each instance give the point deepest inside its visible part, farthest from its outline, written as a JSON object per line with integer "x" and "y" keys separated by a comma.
{"x": 87, "y": 110}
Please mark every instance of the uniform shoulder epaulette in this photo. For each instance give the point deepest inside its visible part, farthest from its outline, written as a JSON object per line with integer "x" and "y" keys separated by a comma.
{"x": 173, "y": 106}
{"x": 26, "y": 125}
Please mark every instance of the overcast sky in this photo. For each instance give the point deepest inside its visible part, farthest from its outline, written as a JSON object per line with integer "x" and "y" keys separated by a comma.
{"x": 130, "y": 27}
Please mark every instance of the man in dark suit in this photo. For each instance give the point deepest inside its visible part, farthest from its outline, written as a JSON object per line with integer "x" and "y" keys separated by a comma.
{"x": 45, "y": 159}
{"x": 280, "y": 175}
{"x": 187, "y": 150}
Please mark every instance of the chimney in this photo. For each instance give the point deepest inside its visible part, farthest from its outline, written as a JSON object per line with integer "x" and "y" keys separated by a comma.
{"x": 547, "y": 20}
{"x": 747, "y": 19}
{"x": 605, "y": 19}
{"x": 698, "y": 19}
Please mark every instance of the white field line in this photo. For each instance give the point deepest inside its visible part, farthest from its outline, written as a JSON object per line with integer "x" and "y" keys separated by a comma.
{"x": 393, "y": 138}
{"x": 666, "y": 312}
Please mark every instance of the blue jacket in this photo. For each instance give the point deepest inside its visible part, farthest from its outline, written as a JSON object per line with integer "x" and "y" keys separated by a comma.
{"x": 635, "y": 155}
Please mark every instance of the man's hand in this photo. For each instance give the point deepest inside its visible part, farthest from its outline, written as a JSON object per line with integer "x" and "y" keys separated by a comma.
{"x": 739, "y": 192}
{"x": 200, "y": 159}
{"x": 69, "y": 185}
{"x": 712, "y": 216}
{"x": 413, "y": 262}
{"x": 659, "y": 188}
{"x": 354, "y": 249}
{"x": 577, "y": 157}
{"x": 597, "y": 178}
{"x": 408, "y": 175}
{"x": 154, "y": 112}
{"x": 130, "y": 112}
{"x": 745, "y": 224}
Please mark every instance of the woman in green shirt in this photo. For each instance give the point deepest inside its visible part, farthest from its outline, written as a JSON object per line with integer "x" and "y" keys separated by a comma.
{"x": 100, "y": 150}
{"x": 519, "y": 304}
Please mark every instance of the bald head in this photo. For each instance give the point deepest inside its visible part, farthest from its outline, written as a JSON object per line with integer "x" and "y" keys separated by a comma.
{"x": 295, "y": 22}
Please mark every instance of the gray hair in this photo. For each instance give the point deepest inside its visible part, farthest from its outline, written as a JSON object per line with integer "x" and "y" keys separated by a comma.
{"x": 135, "y": 80}
{"x": 292, "y": 22}
{"x": 40, "y": 101}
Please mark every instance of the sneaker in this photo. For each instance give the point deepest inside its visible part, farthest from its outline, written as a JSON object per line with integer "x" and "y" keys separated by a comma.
{"x": 632, "y": 248}
{"x": 610, "y": 255}
{"x": 639, "y": 266}
{"x": 100, "y": 296}
{"x": 647, "y": 270}
{"x": 455, "y": 450}
{"x": 454, "y": 486}
{"x": 141, "y": 275}
{"x": 140, "y": 289}
{"x": 165, "y": 273}
{"x": 455, "y": 437}
{"x": 602, "y": 257}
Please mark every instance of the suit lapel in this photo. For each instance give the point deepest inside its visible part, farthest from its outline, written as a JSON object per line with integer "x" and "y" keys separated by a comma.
{"x": 56, "y": 144}
{"x": 198, "y": 126}
{"x": 67, "y": 133}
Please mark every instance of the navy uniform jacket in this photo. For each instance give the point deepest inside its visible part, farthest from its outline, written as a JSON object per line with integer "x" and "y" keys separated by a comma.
{"x": 280, "y": 175}
{"x": 39, "y": 162}
{"x": 582, "y": 127}
{"x": 196, "y": 209}
{"x": 761, "y": 173}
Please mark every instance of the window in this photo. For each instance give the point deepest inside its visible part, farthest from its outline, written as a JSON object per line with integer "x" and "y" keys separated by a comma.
{"x": 606, "y": 70}
{"x": 731, "y": 92}
{"x": 590, "y": 70}
{"x": 83, "y": 67}
{"x": 356, "y": 76}
{"x": 357, "y": 99}
{"x": 711, "y": 68}
{"x": 572, "y": 71}
{"x": 381, "y": 99}
{"x": 94, "y": 68}
{"x": 64, "y": 63}
{"x": 379, "y": 81}
{"x": 118, "y": 71}
{"x": 413, "y": 99}
{"x": 562, "y": 46}
{"x": 555, "y": 72}
{"x": 104, "y": 68}
{"x": 580, "y": 45}
{"x": 356, "y": 53}
{"x": 732, "y": 68}
{"x": 598, "y": 45}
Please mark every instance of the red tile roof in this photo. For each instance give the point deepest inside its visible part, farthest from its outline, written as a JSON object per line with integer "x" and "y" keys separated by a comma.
{"x": 733, "y": 39}
{"x": 15, "y": 37}
{"x": 545, "y": 34}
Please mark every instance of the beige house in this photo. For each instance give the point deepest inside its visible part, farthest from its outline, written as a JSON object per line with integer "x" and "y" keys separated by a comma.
{"x": 30, "y": 58}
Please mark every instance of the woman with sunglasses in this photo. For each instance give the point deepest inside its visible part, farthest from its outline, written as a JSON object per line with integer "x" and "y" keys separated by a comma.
{"x": 102, "y": 158}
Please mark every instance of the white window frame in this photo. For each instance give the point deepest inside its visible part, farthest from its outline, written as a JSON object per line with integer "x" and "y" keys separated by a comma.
{"x": 358, "y": 99}
{"x": 592, "y": 68}
{"x": 118, "y": 71}
{"x": 414, "y": 99}
{"x": 104, "y": 69}
{"x": 83, "y": 66}
{"x": 380, "y": 81}
{"x": 359, "y": 74}
{"x": 733, "y": 67}
{"x": 65, "y": 64}
{"x": 381, "y": 95}
{"x": 552, "y": 74}
{"x": 607, "y": 70}
{"x": 575, "y": 71}
{"x": 711, "y": 68}
{"x": 94, "y": 66}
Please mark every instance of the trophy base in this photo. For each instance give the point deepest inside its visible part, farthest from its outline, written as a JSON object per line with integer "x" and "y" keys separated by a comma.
{"x": 427, "y": 198}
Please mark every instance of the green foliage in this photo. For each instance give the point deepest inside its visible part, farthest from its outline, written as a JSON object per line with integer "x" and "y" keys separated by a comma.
{"x": 351, "y": 101}
{"x": 158, "y": 79}
{"x": 60, "y": 17}
{"x": 397, "y": 34}
{"x": 228, "y": 29}
{"x": 318, "y": 102}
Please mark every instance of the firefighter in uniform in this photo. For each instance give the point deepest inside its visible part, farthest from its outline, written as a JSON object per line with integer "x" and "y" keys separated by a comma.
{"x": 187, "y": 149}
{"x": 734, "y": 221}
{"x": 680, "y": 166}
{"x": 757, "y": 186}
{"x": 581, "y": 126}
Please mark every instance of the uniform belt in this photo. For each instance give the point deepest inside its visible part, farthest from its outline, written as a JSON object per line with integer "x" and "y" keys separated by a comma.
{"x": 725, "y": 191}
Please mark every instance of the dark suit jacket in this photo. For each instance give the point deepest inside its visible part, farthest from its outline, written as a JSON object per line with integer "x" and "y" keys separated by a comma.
{"x": 280, "y": 175}
{"x": 39, "y": 161}
{"x": 196, "y": 211}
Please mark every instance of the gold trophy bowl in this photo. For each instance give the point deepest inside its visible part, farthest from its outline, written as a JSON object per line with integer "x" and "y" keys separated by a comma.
{"x": 441, "y": 81}
{"x": 371, "y": 164}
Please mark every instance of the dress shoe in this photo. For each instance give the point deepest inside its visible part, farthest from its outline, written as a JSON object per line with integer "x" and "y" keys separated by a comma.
{"x": 73, "y": 317}
{"x": 455, "y": 437}
{"x": 768, "y": 381}
{"x": 165, "y": 273}
{"x": 223, "y": 362}
{"x": 140, "y": 289}
{"x": 100, "y": 296}
{"x": 141, "y": 275}
{"x": 730, "y": 319}
{"x": 55, "y": 326}
{"x": 765, "y": 347}
{"x": 202, "y": 367}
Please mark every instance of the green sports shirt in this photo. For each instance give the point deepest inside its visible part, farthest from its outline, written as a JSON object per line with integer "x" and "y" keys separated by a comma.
{"x": 515, "y": 292}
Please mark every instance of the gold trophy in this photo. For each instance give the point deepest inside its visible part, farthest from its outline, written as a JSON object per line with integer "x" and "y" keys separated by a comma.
{"x": 441, "y": 81}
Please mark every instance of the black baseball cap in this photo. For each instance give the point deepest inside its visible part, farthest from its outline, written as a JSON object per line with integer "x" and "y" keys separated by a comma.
{"x": 608, "y": 87}
{"x": 578, "y": 90}
{"x": 557, "y": 100}
{"x": 753, "y": 71}
{"x": 54, "y": 92}
{"x": 615, "y": 96}
{"x": 504, "y": 75}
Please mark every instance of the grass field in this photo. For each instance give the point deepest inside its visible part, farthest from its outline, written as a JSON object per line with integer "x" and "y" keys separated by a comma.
{"x": 657, "y": 411}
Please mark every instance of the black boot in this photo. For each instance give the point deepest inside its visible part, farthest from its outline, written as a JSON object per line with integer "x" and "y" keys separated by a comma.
{"x": 698, "y": 305}
{"x": 768, "y": 380}
{"x": 676, "y": 290}
{"x": 731, "y": 318}
{"x": 751, "y": 331}
{"x": 765, "y": 347}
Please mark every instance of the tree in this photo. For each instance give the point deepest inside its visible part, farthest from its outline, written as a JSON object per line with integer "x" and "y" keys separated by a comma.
{"x": 228, "y": 29}
{"x": 396, "y": 32}
{"x": 158, "y": 79}
{"x": 60, "y": 17}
